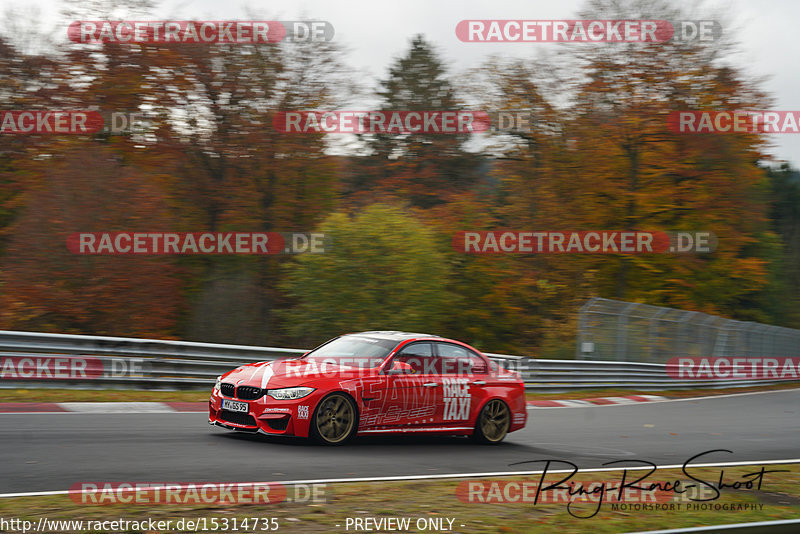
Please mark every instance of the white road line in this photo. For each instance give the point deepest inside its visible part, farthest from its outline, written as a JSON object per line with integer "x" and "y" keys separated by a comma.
{"x": 116, "y": 407}
{"x": 575, "y": 403}
{"x": 589, "y": 405}
{"x": 763, "y": 526}
{"x": 402, "y": 478}
{"x": 626, "y": 400}
{"x": 732, "y": 395}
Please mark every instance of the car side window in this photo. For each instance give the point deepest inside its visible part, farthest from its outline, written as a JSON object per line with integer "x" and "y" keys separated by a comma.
{"x": 459, "y": 360}
{"x": 420, "y": 357}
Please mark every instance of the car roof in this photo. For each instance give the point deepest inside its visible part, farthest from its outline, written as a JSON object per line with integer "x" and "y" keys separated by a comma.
{"x": 393, "y": 335}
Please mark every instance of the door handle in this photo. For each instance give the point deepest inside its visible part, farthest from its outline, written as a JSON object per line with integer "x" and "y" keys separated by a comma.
{"x": 480, "y": 382}
{"x": 430, "y": 384}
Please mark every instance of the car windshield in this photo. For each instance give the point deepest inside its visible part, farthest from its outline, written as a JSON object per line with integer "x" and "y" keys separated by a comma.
{"x": 352, "y": 351}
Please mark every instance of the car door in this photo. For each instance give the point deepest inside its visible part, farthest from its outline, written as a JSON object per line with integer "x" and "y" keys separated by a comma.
{"x": 463, "y": 378}
{"x": 413, "y": 393}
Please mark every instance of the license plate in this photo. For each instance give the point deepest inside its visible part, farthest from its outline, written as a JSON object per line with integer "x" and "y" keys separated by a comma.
{"x": 235, "y": 406}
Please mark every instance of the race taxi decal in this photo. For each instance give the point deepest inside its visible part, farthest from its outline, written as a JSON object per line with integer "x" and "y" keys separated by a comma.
{"x": 456, "y": 399}
{"x": 302, "y": 412}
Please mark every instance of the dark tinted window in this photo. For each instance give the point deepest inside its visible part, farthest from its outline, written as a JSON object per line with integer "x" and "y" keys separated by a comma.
{"x": 420, "y": 357}
{"x": 459, "y": 360}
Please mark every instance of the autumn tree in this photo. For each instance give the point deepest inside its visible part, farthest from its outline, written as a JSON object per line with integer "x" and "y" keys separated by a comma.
{"x": 206, "y": 149}
{"x": 87, "y": 188}
{"x": 783, "y": 296}
{"x": 612, "y": 163}
{"x": 27, "y": 82}
{"x": 419, "y": 167}
{"x": 237, "y": 172}
{"x": 385, "y": 270}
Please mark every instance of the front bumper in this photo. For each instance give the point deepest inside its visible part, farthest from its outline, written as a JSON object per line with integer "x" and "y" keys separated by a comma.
{"x": 265, "y": 415}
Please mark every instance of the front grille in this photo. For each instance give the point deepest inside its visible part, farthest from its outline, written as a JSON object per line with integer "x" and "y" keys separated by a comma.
{"x": 249, "y": 393}
{"x": 237, "y": 417}
{"x": 227, "y": 389}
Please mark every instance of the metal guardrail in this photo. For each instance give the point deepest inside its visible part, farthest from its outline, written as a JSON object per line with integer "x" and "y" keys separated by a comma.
{"x": 564, "y": 375}
{"x": 90, "y": 362}
{"x": 129, "y": 363}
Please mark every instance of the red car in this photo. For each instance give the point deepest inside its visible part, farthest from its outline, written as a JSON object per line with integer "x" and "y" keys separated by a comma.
{"x": 373, "y": 383}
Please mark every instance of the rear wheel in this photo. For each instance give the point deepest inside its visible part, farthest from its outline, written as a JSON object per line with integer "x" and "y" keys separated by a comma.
{"x": 334, "y": 420}
{"x": 493, "y": 422}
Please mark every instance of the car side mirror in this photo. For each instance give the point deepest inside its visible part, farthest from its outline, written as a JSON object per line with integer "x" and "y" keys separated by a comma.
{"x": 400, "y": 368}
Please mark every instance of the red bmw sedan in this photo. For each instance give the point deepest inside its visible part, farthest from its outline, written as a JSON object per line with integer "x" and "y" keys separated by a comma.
{"x": 380, "y": 382}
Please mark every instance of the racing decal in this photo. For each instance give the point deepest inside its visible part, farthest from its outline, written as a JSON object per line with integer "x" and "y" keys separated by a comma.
{"x": 409, "y": 390}
{"x": 456, "y": 399}
{"x": 267, "y": 374}
{"x": 302, "y": 412}
{"x": 401, "y": 403}
{"x": 396, "y": 415}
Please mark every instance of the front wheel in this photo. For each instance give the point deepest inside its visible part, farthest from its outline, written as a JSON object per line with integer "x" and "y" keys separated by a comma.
{"x": 334, "y": 420}
{"x": 493, "y": 422}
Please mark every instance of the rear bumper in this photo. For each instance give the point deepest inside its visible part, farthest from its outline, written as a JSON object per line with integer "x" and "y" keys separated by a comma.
{"x": 518, "y": 420}
{"x": 519, "y": 411}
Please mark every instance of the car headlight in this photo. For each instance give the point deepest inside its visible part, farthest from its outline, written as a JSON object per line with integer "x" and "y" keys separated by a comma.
{"x": 217, "y": 385}
{"x": 289, "y": 393}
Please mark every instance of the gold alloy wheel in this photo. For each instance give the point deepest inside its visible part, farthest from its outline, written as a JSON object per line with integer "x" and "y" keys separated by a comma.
{"x": 494, "y": 421}
{"x": 335, "y": 418}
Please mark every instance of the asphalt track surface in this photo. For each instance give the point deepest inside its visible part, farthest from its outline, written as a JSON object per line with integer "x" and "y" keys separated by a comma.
{"x": 47, "y": 452}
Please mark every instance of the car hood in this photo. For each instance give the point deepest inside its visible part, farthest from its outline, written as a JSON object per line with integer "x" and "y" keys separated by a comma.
{"x": 289, "y": 373}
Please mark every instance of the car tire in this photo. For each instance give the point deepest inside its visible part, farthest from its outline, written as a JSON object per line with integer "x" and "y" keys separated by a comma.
{"x": 335, "y": 420}
{"x": 493, "y": 423}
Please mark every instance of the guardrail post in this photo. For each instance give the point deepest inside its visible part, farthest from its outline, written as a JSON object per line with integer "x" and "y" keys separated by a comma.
{"x": 683, "y": 335}
{"x": 651, "y": 331}
{"x": 622, "y": 332}
{"x": 583, "y": 327}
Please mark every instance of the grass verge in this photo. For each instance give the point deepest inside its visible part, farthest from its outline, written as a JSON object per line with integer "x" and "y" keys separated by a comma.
{"x": 778, "y": 498}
